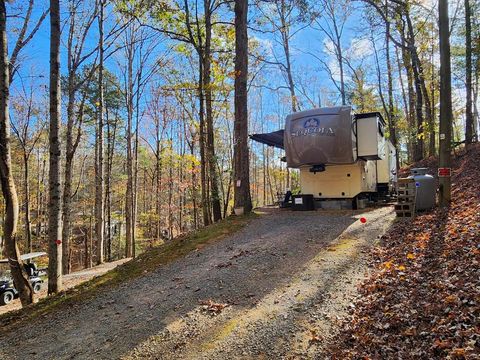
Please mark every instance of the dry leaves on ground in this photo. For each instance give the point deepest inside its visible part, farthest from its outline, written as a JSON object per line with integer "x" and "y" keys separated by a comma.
{"x": 423, "y": 299}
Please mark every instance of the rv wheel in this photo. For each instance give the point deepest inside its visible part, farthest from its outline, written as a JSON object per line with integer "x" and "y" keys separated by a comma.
{"x": 6, "y": 298}
{"x": 37, "y": 287}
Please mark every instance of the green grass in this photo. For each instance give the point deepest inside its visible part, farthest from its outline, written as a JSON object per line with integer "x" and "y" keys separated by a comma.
{"x": 149, "y": 261}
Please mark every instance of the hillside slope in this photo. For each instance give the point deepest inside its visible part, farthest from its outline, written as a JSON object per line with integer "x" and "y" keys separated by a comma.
{"x": 423, "y": 299}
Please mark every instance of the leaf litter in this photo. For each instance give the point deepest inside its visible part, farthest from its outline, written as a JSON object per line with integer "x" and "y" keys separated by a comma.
{"x": 422, "y": 299}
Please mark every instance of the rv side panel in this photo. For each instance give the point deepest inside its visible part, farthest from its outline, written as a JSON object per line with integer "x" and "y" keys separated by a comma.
{"x": 339, "y": 181}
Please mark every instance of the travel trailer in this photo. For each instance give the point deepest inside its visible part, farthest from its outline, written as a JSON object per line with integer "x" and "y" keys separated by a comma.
{"x": 343, "y": 158}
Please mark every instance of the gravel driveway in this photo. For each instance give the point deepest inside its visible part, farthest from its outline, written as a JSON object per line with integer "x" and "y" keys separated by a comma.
{"x": 285, "y": 278}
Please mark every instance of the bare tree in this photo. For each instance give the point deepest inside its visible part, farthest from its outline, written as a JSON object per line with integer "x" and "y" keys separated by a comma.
{"x": 335, "y": 16}
{"x": 8, "y": 186}
{"x": 99, "y": 151}
{"x": 24, "y": 36}
{"x": 28, "y": 138}
{"x": 54, "y": 181}
{"x": 80, "y": 23}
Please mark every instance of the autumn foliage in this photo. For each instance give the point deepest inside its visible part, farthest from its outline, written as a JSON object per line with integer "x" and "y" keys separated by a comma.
{"x": 423, "y": 298}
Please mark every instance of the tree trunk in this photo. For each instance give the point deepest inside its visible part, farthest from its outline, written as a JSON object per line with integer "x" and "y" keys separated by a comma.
{"x": 6, "y": 178}
{"x": 28, "y": 232}
{"x": 67, "y": 187}
{"x": 54, "y": 181}
{"x": 201, "y": 140}
{"x": 99, "y": 163}
{"x": 158, "y": 184}
{"x": 286, "y": 49}
{"x": 468, "y": 75}
{"x": 392, "y": 128}
{"x": 445, "y": 101}
{"x": 412, "y": 138}
{"x": 242, "y": 198}
{"x": 129, "y": 221}
{"x": 211, "y": 159}
{"x": 108, "y": 195}
{"x": 420, "y": 91}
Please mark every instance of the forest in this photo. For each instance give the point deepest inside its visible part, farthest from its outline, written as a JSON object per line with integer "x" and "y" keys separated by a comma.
{"x": 125, "y": 123}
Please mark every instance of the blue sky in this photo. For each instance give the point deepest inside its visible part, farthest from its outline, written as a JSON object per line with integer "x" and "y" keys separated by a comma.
{"x": 307, "y": 70}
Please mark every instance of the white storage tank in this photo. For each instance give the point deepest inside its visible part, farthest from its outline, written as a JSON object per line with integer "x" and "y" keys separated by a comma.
{"x": 426, "y": 188}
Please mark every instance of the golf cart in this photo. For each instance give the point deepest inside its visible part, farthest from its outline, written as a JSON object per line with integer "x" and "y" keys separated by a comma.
{"x": 7, "y": 288}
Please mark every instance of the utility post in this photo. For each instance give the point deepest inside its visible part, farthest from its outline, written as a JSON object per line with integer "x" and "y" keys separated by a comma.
{"x": 445, "y": 133}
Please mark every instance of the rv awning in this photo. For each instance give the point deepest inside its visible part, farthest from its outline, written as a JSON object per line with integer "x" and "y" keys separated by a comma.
{"x": 271, "y": 139}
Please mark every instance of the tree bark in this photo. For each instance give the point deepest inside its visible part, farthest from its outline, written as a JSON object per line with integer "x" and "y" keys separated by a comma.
{"x": 201, "y": 140}
{"x": 129, "y": 191}
{"x": 468, "y": 75}
{"x": 211, "y": 159}
{"x": 392, "y": 128}
{"x": 67, "y": 187}
{"x": 6, "y": 178}
{"x": 54, "y": 181}
{"x": 445, "y": 102}
{"x": 242, "y": 197}
{"x": 99, "y": 163}
{"x": 28, "y": 232}
{"x": 285, "y": 33}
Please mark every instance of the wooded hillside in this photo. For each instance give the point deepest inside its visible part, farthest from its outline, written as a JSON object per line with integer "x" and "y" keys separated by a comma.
{"x": 422, "y": 300}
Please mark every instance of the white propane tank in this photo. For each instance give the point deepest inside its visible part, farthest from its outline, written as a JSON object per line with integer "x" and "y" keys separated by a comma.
{"x": 426, "y": 188}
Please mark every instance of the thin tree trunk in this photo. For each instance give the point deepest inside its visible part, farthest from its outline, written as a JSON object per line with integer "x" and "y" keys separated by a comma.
{"x": 158, "y": 185}
{"x": 468, "y": 75}
{"x": 54, "y": 181}
{"x": 67, "y": 187}
{"x": 99, "y": 173}
{"x": 285, "y": 33}
{"x": 211, "y": 159}
{"x": 28, "y": 232}
{"x": 201, "y": 140}
{"x": 6, "y": 178}
{"x": 108, "y": 195}
{"x": 194, "y": 186}
{"x": 392, "y": 128}
{"x": 129, "y": 221}
{"x": 411, "y": 104}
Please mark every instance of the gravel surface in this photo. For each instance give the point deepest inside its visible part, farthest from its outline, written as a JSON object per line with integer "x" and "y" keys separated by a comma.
{"x": 285, "y": 277}
{"x": 69, "y": 281}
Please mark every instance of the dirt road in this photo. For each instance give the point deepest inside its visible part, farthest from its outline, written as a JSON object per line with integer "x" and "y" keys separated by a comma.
{"x": 285, "y": 278}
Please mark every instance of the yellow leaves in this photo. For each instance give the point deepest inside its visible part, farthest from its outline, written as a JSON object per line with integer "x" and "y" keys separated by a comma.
{"x": 97, "y": 103}
{"x": 387, "y": 265}
{"x": 421, "y": 136}
{"x": 410, "y": 256}
{"x": 459, "y": 352}
{"x": 390, "y": 265}
{"x": 445, "y": 344}
{"x": 451, "y": 299}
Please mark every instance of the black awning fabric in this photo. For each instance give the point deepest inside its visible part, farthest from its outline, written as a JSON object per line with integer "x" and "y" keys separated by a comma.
{"x": 271, "y": 139}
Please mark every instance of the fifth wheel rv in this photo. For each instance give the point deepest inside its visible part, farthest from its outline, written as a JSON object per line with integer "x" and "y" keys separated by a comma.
{"x": 343, "y": 158}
